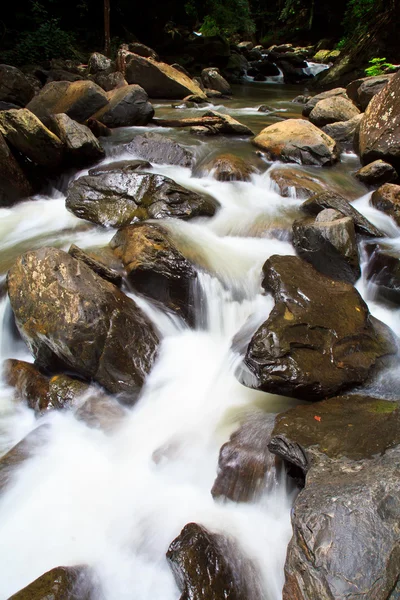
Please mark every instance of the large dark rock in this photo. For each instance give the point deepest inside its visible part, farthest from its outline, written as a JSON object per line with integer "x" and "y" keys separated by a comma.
{"x": 379, "y": 136}
{"x": 26, "y": 134}
{"x": 246, "y": 467}
{"x": 128, "y": 105}
{"x": 329, "y": 243}
{"x": 298, "y": 141}
{"x": 384, "y": 270}
{"x": 110, "y": 81}
{"x": 143, "y": 50}
{"x": 155, "y": 267}
{"x": 377, "y": 173}
{"x": 387, "y": 199}
{"x": 319, "y": 202}
{"x": 213, "y": 80}
{"x": 207, "y": 566}
{"x": 343, "y": 132}
{"x": 119, "y": 198}
{"x": 81, "y": 147}
{"x": 361, "y": 91}
{"x": 337, "y": 92}
{"x": 71, "y": 318}
{"x": 228, "y": 167}
{"x": 14, "y": 86}
{"x": 14, "y": 184}
{"x": 61, "y": 583}
{"x": 79, "y": 100}
{"x": 332, "y": 110}
{"x": 98, "y": 63}
{"x": 346, "y": 540}
{"x": 157, "y": 148}
{"x": 319, "y": 338}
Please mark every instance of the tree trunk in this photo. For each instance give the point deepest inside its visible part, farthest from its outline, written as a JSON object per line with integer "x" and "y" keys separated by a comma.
{"x": 107, "y": 41}
{"x": 205, "y": 121}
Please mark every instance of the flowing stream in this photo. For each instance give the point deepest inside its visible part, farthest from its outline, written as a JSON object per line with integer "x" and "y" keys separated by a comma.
{"x": 115, "y": 499}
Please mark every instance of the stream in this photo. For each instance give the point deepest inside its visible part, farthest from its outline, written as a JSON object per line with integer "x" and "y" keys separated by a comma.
{"x": 114, "y": 499}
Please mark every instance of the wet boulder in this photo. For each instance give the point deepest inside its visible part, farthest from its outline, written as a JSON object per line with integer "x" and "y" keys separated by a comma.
{"x": 40, "y": 392}
{"x": 298, "y": 141}
{"x": 246, "y": 467}
{"x": 71, "y": 318}
{"x": 98, "y": 63}
{"x": 379, "y": 136}
{"x": 387, "y": 199}
{"x": 384, "y": 271}
{"x": 332, "y": 110}
{"x": 377, "y": 173}
{"x": 15, "y": 87}
{"x": 213, "y": 80}
{"x": 319, "y": 338}
{"x": 228, "y": 167}
{"x": 343, "y": 132}
{"x": 27, "y": 134}
{"x": 292, "y": 182}
{"x": 110, "y": 81}
{"x": 208, "y": 566}
{"x": 156, "y": 267}
{"x": 61, "y": 583}
{"x": 337, "y": 92}
{"x": 329, "y": 243}
{"x": 160, "y": 149}
{"x": 351, "y": 493}
{"x": 159, "y": 79}
{"x": 119, "y": 198}
{"x": 127, "y": 106}
{"x": 98, "y": 266}
{"x": 319, "y": 202}
{"x": 81, "y": 147}
{"x": 78, "y": 99}
{"x": 14, "y": 184}
{"x": 361, "y": 91}
{"x": 121, "y": 165}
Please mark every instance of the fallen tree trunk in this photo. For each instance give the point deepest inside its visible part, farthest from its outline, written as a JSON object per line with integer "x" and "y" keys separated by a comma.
{"x": 191, "y": 122}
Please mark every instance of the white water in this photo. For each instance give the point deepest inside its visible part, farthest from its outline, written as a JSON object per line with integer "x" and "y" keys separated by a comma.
{"x": 116, "y": 500}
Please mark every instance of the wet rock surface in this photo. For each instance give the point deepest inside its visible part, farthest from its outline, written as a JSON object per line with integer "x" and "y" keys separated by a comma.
{"x": 119, "y": 198}
{"x": 73, "y": 319}
{"x": 159, "y": 149}
{"x": 26, "y": 448}
{"x": 387, "y": 199}
{"x": 298, "y": 141}
{"x": 61, "y": 583}
{"x": 228, "y": 167}
{"x": 14, "y": 183}
{"x": 377, "y": 173}
{"x": 127, "y": 106}
{"x": 384, "y": 271}
{"x": 319, "y": 202}
{"x": 207, "y": 566}
{"x": 108, "y": 273}
{"x": 361, "y": 91}
{"x": 319, "y": 338}
{"x": 344, "y": 132}
{"x": 213, "y": 80}
{"x": 337, "y": 92}
{"x": 81, "y": 147}
{"x": 155, "y": 267}
{"x": 331, "y": 110}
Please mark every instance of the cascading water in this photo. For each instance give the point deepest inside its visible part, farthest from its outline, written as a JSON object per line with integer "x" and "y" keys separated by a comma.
{"x": 116, "y": 499}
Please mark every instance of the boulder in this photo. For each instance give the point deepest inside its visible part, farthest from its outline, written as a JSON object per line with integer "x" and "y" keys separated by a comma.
{"x": 343, "y": 132}
{"x": 340, "y": 92}
{"x": 27, "y": 447}
{"x": 246, "y": 46}
{"x": 14, "y": 185}
{"x": 361, "y": 91}
{"x": 101, "y": 412}
{"x": 384, "y": 271}
{"x": 98, "y": 63}
{"x": 329, "y": 243}
{"x": 245, "y": 465}
{"x": 387, "y": 199}
{"x": 228, "y": 125}
{"x": 155, "y": 267}
{"x": 110, "y": 81}
{"x": 24, "y": 132}
{"x": 119, "y": 198}
{"x": 79, "y": 100}
{"x": 159, "y": 149}
{"x": 228, "y": 167}
{"x": 108, "y": 273}
{"x": 14, "y": 86}
{"x": 297, "y": 140}
{"x": 236, "y": 67}
{"x": 319, "y": 338}
{"x": 41, "y": 393}
{"x": 121, "y": 165}
{"x": 333, "y": 110}
{"x": 62, "y": 75}
{"x": 213, "y": 80}
{"x": 210, "y": 567}
{"x": 316, "y": 203}
{"x": 159, "y": 79}
{"x": 377, "y": 173}
{"x": 71, "y": 318}
{"x": 61, "y": 583}
{"x": 127, "y": 106}
{"x": 351, "y": 492}
{"x": 143, "y": 50}
{"x": 267, "y": 68}
{"x": 98, "y": 129}
{"x": 379, "y": 136}
{"x": 81, "y": 147}
{"x": 295, "y": 183}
